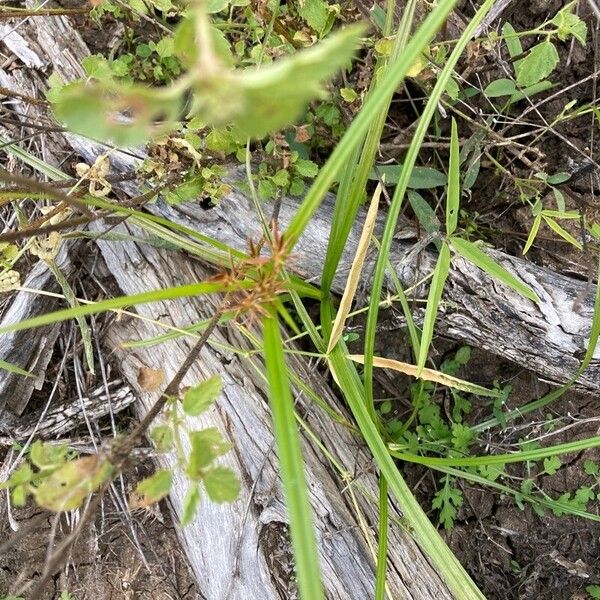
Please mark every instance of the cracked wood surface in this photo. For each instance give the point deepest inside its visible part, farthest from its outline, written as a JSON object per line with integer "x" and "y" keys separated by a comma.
{"x": 241, "y": 550}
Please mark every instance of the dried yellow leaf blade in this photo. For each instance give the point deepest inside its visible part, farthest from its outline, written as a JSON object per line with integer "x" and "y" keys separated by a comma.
{"x": 427, "y": 375}
{"x": 355, "y": 271}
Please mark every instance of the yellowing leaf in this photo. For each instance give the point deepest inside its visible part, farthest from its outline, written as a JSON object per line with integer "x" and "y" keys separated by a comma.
{"x": 70, "y": 484}
{"x": 355, "y": 271}
{"x": 418, "y": 66}
{"x": 427, "y": 375}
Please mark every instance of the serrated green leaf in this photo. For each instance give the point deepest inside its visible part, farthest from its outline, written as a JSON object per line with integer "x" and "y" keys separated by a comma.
{"x": 570, "y": 24}
{"x": 540, "y": 61}
{"x": 436, "y": 288}
{"x": 199, "y": 398}
{"x": 156, "y": 487}
{"x": 453, "y": 194}
{"x": 306, "y": 168}
{"x": 348, "y": 94}
{"x": 47, "y": 456}
{"x": 315, "y": 13}
{"x": 551, "y": 465}
{"x": 190, "y": 505}
{"x": 221, "y": 484}
{"x": 162, "y": 436}
{"x": 206, "y": 445}
{"x": 479, "y": 258}
{"x": 593, "y": 591}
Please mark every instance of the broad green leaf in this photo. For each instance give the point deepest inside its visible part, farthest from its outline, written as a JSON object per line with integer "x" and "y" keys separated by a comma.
{"x": 421, "y": 178}
{"x": 258, "y": 101}
{"x": 531, "y": 91}
{"x": 558, "y": 178}
{"x": 190, "y": 504}
{"x": 551, "y": 465}
{"x": 479, "y": 258}
{"x": 221, "y": 484}
{"x": 119, "y": 113}
{"x": 570, "y": 24}
{"x": 315, "y": 13}
{"x": 154, "y": 488}
{"x": 453, "y": 195}
{"x": 199, "y": 398}
{"x": 186, "y": 49}
{"x": 207, "y": 444}
{"x": 162, "y": 436}
{"x": 6, "y": 366}
{"x": 436, "y": 288}
{"x": 500, "y": 87}
{"x": 513, "y": 43}
{"x": 424, "y": 213}
{"x": 47, "y": 456}
{"x": 215, "y": 6}
{"x": 540, "y": 61}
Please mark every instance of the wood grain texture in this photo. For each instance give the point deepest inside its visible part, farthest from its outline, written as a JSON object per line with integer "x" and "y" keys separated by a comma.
{"x": 241, "y": 550}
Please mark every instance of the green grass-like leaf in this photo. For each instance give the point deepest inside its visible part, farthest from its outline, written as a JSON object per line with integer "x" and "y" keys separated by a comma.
{"x": 6, "y": 366}
{"x": 479, "y": 258}
{"x": 292, "y": 465}
{"x": 438, "y": 280}
{"x": 453, "y": 196}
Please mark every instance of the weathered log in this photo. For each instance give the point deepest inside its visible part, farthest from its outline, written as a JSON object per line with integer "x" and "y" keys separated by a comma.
{"x": 241, "y": 550}
{"x": 548, "y": 338}
{"x": 57, "y": 420}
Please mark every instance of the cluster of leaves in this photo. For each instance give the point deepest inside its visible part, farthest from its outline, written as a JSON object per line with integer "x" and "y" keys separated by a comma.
{"x": 60, "y": 481}
{"x": 533, "y": 67}
{"x": 227, "y": 105}
{"x": 56, "y": 479}
{"x": 429, "y": 430}
{"x": 207, "y": 445}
